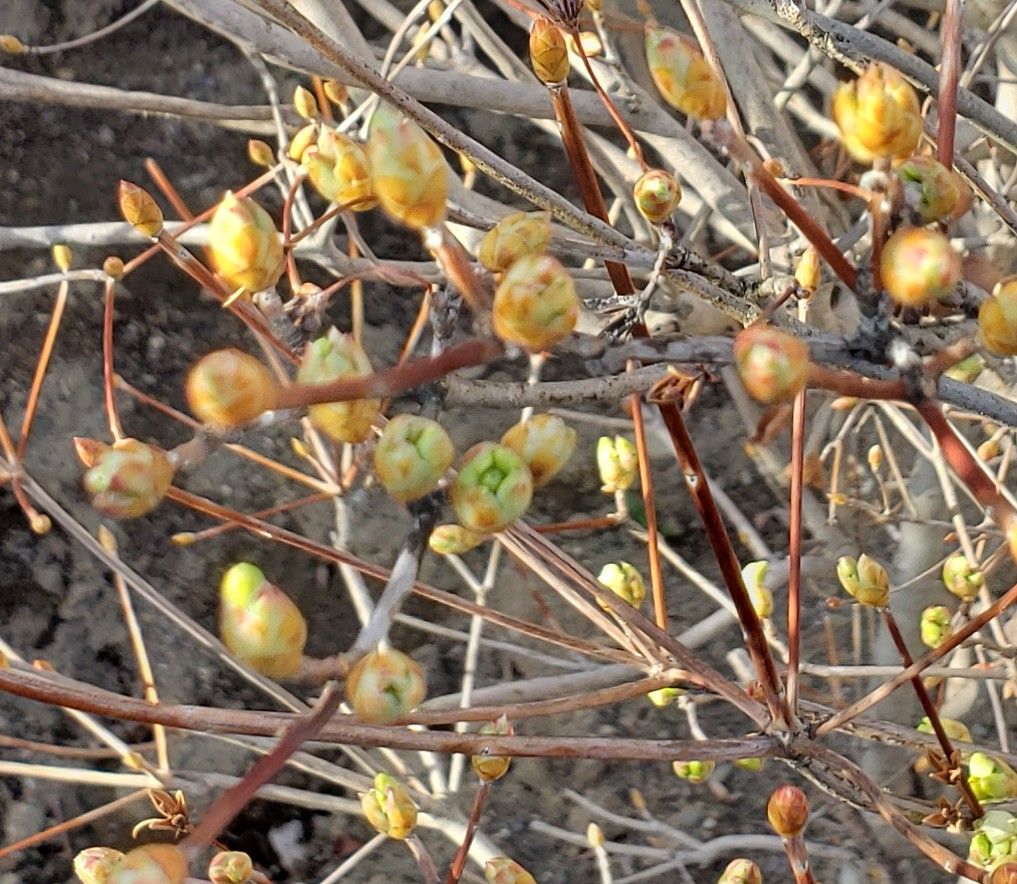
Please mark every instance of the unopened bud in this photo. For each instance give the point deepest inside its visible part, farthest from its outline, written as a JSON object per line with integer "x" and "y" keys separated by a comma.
{"x": 549, "y": 54}
{"x": 228, "y": 388}
{"x": 11, "y": 44}
{"x": 772, "y": 364}
{"x": 336, "y": 92}
{"x": 754, "y": 578}
{"x": 244, "y": 247}
{"x": 259, "y": 153}
{"x": 997, "y": 319}
{"x": 411, "y": 456}
{"x": 878, "y": 115}
{"x": 932, "y": 190}
{"x": 865, "y": 580}
{"x": 151, "y": 864}
{"x": 657, "y": 194}
{"x": 62, "y": 256}
{"x": 696, "y": 772}
{"x": 300, "y": 142}
{"x": 751, "y": 765}
{"x": 389, "y": 807}
{"x": 961, "y": 578}
{"x": 113, "y": 266}
{"x": 493, "y": 767}
{"x": 624, "y": 581}
{"x": 741, "y": 871}
{"x": 513, "y": 237}
{"x": 337, "y": 167}
{"x": 502, "y": 870}
{"x": 617, "y": 463}
{"x": 126, "y": 479}
{"x": 305, "y": 103}
{"x": 139, "y": 209}
{"x": 94, "y": 865}
{"x": 330, "y": 358}
{"x": 453, "y": 540}
{"x": 988, "y": 450}
{"x": 664, "y": 697}
{"x": 595, "y": 836}
{"x": 955, "y": 730}
{"x": 260, "y": 624}
{"x": 230, "y": 867}
{"x": 918, "y": 266}
{"x": 492, "y": 488}
{"x": 808, "y": 271}
{"x": 875, "y": 458}
{"x": 544, "y": 442}
{"x": 991, "y": 779}
{"x": 681, "y": 74}
{"x": 385, "y": 685}
{"x": 535, "y": 305}
{"x": 935, "y": 625}
{"x": 1005, "y": 871}
{"x": 788, "y": 811}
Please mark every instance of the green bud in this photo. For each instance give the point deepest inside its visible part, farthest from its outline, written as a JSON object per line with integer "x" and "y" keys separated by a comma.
{"x": 865, "y": 580}
{"x": 389, "y": 807}
{"x": 752, "y": 765}
{"x": 617, "y": 462}
{"x": 695, "y": 772}
{"x": 663, "y": 697}
{"x": 754, "y": 576}
{"x": 411, "y": 456}
{"x": 453, "y": 540}
{"x": 995, "y": 837}
{"x": 991, "y": 779}
{"x": 935, "y": 625}
{"x": 385, "y": 685}
{"x": 955, "y": 730}
{"x": 492, "y": 488}
{"x": 624, "y": 581}
{"x": 961, "y": 578}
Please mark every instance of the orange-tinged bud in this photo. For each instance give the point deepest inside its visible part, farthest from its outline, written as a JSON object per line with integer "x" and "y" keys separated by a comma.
{"x": 788, "y": 811}
{"x": 151, "y": 864}
{"x": 624, "y": 581}
{"x": 589, "y": 42}
{"x": 997, "y": 319}
{"x": 515, "y": 236}
{"x": 230, "y": 867}
{"x": 1005, "y": 872}
{"x": 305, "y": 103}
{"x": 94, "y": 865}
{"x": 139, "y": 209}
{"x": 337, "y": 167}
{"x": 259, "y": 153}
{"x": 243, "y": 245}
{"x": 385, "y": 685}
{"x": 617, "y": 463}
{"x": 741, "y": 871}
{"x": 865, "y": 580}
{"x": 493, "y": 767}
{"x": 544, "y": 442}
{"x": 988, "y": 450}
{"x": 549, "y": 54}
{"x": 411, "y": 456}
{"x": 228, "y": 388}
{"x": 337, "y": 92}
{"x": 932, "y": 190}
{"x": 696, "y": 772}
{"x": 808, "y": 271}
{"x": 327, "y": 359}
{"x": 11, "y": 44}
{"x": 259, "y": 623}
{"x": 935, "y": 625}
{"x": 408, "y": 170}
{"x": 126, "y": 479}
{"x": 300, "y": 142}
{"x": 961, "y": 578}
{"x": 918, "y": 265}
{"x": 657, "y": 194}
{"x": 492, "y": 488}
{"x": 536, "y": 304}
{"x": 389, "y": 807}
{"x": 878, "y": 115}
{"x": 453, "y": 540}
{"x": 681, "y": 74}
{"x": 502, "y": 870}
{"x": 772, "y": 364}
{"x": 113, "y": 266}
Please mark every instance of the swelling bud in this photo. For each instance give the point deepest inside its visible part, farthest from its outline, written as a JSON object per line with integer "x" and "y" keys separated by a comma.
{"x": 493, "y": 767}
{"x": 514, "y": 237}
{"x": 139, "y": 209}
{"x": 93, "y": 865}
{"x": 919, "y": 266}
{"x": 126, "y": 479}
{"x": 657, "y": 194}
{"x": 931, "y": 190}
{"x": 544, "y": 442}
{"x": 151, "y": 864}
{"x": 865, "y": 580}
{"x": 492, "y": 488}
{"x": 682, "y": 76}
{"x": 228, "y": 388}
{"x": 741, "y": 871}
{"x": 411, "y": 456}
{"x": 788, "y": 811}
{"x": 624, "y": 581}
{"x": 997, "y": 319}
{"x": 696, "y": 772}
{"x": 773, "y": 365}
{"x": 453, "y": 540}
{"x": 535, "y": 305}
{"x": 549, "y": 54}
{"x": 384, "y": 686}
{"x": 961, "y": 578}
{"x": 617, "y": 463}
{"x": 230, "y": 867}
{"x": 935, "y": 625}
{"x": 337, "y": 168}
{"x": 389, "y": 807}
{"x": 330, "y": 358}
{"x": 244, "y": 247}
{"x": 878, "y": 115}
{"x": 502, "y": 870}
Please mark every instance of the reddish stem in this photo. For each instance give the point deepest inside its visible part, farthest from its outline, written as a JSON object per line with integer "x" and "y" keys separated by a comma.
{"x": 108, "y": 374}
{"x": 794, "y": 580}
{"x": 949, "y": 73}
{"x": 459, "y": 861}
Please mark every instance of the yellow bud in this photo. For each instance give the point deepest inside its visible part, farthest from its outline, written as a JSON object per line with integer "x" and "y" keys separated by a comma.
{"x": 259, "y": 153}
{"x": 595, "y": 836}
{"x": 62, "y": 256}
{"x": 126, "y": 479}
{"x": 493, "y": 487}
{"x": 389, "y": 807}
{"x": 865, "y": 580}
{"x": 384, "y": 686}
{"x": 809, "y": 272}
{"x": 955, "y": 730}
{"x": 997, "y": 319}
{"x": 663, "y": 697}
{"x": 408, "y": 170}
{"x": 411, "y": 456}
{"x": 302, "y": 141}
{"x": 151, "y": 864}
{"x": 549, "y": 55}
{"x": 741, "y": 871}
{"x": 228, "y": 388}
{"x": 788, "y": 811}
{"x": 336, "y": 92}
{"x": 961, "y": 578}
{"x": 617, "y": 463}
{"x": 935, "y": 625}
{"x": 513, "y": 237}
{"x": 230, "y": 867}
{"x": 502, "y": 870}
{"x": 535, "y": 305}
{"x": 588, "y": 44}
{"x": 260, "y": 624}
{"x": 544, "y": 442}
{"x": 243, "y": 245}
{"x": 493, "y": 767}
{"x": 11, "y": 44}
{"x": 918, "y": 266}
{"x": 988, "y": 450}
{"x": 696, "y": 772}
{"x": 878, "y": 115}
{"x": 327, "y": 359}
{"x": 113, "y": 266}
{"x": 752, "y": 765}
{"x": 93, "y": 865}
{"x": 875, "y": 457}
{"x": 754, "y": 577}
{"x": 139, "y": 209}
{"x": 337, "y": 167}
{"x": 453, "y": 540}
{"x": 624, "y": 581}
{"x": 681, "y": 74}
{"x": 305, "y": 103}
{"x": 657, "y": 194}
{"x": 772, "y": 364}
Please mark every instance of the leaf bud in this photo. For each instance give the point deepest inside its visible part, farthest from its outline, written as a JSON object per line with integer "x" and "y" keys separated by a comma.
{"x": 617, "y": 463}
{"x": 754, "y": 578}
{"x": 411, "y": 456}
{"x": 991, "y": 779}
{"x": 93, "y": 865}
{"x": 918, "y": 266}
{"x": 696, "y": 772}
{"x": 549, "y": 54}
{"x": 865, "y": 580}
{"x": 408, "y": 170}
{"x": 113, "y": 266}
{"x": 492, "y": 488}
{"x": 751, "y": 765}
{"x": 230, "y": 867}
{"x": 228, "y": 388}
{"x": 300, "y": 142}
{"x": 389, "y": 807}
{"x": 544, "y": 442}
{"x": 994, "y": 839}
{"x": 961, "y": 578}
{"x": 535, "y": 305}
{"x": 126, "y": 479}
{"x": 683, "y": 77}
{"x": 139, "y": 209}
{"x": 62, "y": 257}
{"x": 336, "y": 92}
{"x": 997, "y": 319}
{"x": 878, "y": 115}
{"x": 385, "y": 685}
{"x": 453, "y": 540}
{"x": 788, "y": 811}
{"x": 151, "y": 864}
{"x": 305, "y": 103}
{"x": 513, "y": 237}
{"x": 772, "y": 364}
{"x": 930, "y": 189}
{"x": 664, "y": 697}
{"x": 11, "y": 44}
{"x": 808, "y": 271}
{"x": 657, "y": 194}
{"x": 955, "y": 730}
{"x": 337, "y": 167}
{"x": 259, "y": 623}
{"x": 493, "y": 767}
{"x": 502, "y": 870}
{"x": 259, "y": 153}
{"x": 624, "y": 581}
{"x": 741, "y": 871}
{"x": 244, "y": 247}
{"x": 935, "y": 625}
{"x": 330, "y": 358}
